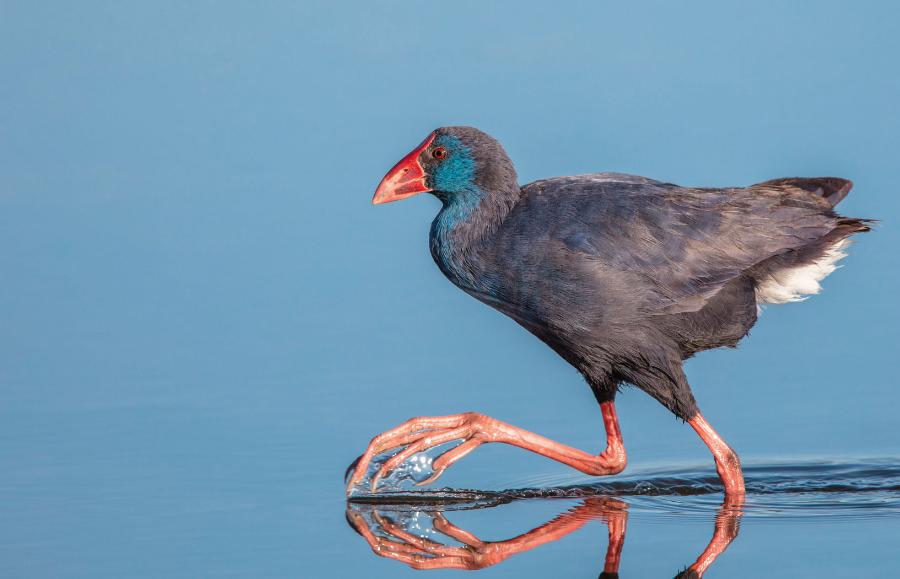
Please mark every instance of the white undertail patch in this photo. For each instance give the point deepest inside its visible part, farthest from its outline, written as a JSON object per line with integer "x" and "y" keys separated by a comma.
{"x": 794, "y": 284}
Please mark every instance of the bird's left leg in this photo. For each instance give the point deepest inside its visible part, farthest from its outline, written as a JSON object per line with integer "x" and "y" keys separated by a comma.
{"x": 473, "y": 429}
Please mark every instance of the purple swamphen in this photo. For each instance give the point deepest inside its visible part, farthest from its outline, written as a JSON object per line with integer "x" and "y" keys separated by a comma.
{"x": 624, "y": 277}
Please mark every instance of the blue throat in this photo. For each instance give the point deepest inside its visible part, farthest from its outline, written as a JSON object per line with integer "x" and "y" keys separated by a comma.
{"x": 456, "y": 210}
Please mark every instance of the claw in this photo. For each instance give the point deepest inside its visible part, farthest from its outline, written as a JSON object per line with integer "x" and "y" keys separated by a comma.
{"x": 352, "y": 521}
{"x": 351, "y": 469}
{"x": 435, "y": 475}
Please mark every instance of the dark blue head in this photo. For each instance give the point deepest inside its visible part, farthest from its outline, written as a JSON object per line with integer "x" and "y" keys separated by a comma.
{"x": 456, "y": 164}
{"x": 450, "y": 167}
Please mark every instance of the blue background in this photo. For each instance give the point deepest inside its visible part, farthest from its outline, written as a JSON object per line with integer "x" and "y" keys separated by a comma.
{"x": 203, "y": 319}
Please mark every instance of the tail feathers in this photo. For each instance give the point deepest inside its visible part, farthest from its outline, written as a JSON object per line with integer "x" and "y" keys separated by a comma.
{"x": 831, "y": 189}
{"x": 847, "y": 226}
{"x": 794, "y": 275}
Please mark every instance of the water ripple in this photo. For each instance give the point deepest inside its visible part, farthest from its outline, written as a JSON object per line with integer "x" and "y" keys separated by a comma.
{"x": 834, "y": 489}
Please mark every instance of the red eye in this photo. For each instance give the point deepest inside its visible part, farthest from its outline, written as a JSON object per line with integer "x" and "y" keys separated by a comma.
{"x": 439, "y": 153}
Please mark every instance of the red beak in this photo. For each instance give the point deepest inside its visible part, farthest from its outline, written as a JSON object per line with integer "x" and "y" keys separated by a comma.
{"x": 406, "y": 179}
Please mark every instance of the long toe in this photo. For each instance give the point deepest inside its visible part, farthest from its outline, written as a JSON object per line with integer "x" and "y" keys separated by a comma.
{"x": 351, "y": 469}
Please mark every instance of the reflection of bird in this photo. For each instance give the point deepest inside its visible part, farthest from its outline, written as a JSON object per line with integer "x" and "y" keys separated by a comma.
{"x": 390, "y": 539}
{"x": 623, "y": 276}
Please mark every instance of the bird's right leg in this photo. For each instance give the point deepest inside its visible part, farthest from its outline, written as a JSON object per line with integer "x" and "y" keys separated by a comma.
{"x": 473, "y": 429}
{"x": 664, "y": 379}
{"x": 728, "y": 465}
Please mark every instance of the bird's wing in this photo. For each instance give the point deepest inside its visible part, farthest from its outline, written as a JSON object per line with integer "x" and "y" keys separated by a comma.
{"x": 671, "y": 247}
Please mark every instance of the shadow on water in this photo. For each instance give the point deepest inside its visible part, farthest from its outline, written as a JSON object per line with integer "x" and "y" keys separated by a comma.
{"x": 412, "y": 527}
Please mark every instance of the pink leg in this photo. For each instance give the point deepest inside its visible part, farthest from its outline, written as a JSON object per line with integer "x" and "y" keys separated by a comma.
{"x": 727, "y": 462}
{"x": 419, "y": 434}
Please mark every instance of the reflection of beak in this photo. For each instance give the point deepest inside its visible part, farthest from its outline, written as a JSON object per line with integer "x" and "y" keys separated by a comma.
{"x": 406, "y": 179}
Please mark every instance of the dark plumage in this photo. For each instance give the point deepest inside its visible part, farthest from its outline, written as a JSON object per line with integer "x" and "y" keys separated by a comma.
{"x": 624, "y": 276}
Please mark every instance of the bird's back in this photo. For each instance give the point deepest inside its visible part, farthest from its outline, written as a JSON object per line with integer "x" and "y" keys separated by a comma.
{"x": 580, "y": 259}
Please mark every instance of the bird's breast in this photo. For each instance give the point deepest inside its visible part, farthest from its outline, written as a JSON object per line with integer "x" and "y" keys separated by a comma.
{"x": 449, "y": 256}
{"x": 457, "y": 245}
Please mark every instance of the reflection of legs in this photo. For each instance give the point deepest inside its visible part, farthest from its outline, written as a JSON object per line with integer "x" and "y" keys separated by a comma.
{"x": 617, "y": 524}
{"x": 421, "y": 553}
{"x": 420, "y": 434}
{"x": 727, "y": 528}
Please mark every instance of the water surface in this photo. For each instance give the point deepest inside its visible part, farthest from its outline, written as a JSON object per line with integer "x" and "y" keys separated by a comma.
{"x": 412, "y": 528}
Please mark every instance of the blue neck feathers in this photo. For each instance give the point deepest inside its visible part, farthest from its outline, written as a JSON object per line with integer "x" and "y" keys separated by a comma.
{"x": 457, "y": 208}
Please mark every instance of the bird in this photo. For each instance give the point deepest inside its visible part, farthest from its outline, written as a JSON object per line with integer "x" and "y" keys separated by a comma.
{"x": 624, "y": 277}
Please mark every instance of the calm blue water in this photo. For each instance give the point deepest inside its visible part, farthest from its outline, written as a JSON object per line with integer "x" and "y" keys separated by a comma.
{"x": 203, "y": 320}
